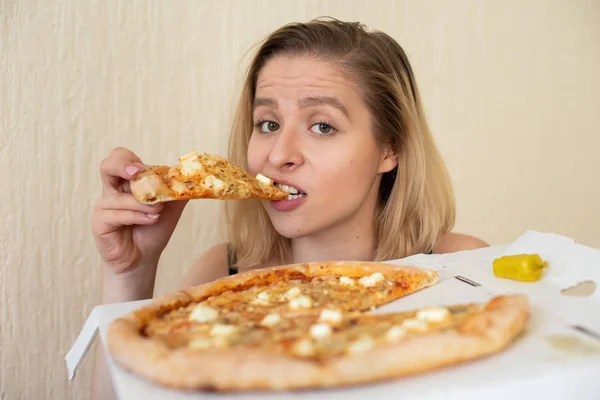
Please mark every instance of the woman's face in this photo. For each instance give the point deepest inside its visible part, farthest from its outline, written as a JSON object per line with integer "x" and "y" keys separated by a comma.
{"x": 313, "y": 133}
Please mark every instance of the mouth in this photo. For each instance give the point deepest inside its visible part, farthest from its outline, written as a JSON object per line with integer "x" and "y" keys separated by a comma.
{"x": 294, "y": 193}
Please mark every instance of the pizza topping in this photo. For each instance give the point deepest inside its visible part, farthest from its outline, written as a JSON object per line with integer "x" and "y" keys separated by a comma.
{"x": 179, "y": 187}
{"x": 290, "y": 294}
{"x": 372, "y": 279}
{"x": 395, "y": 333}
{"x": 364, "y": 343}
{"x": 263, "y": 179}
{"x": 344, "y": 280}
{"x": 270, "y": 320}
{"x": 331, "y": 316}
{"x": 415, "y": 324}
{"x": 202, "y": 313}
{"x": 262, "y": 298}
{"x": 212, "y": 182}
{"x": 433, "y": 314}
{"x": 222, "y": 330}
{"x": 300, "y": 302}
{"x": 190, "y": 164}
{"x": 304, "y": 348}
{"x": 320, "y": 331}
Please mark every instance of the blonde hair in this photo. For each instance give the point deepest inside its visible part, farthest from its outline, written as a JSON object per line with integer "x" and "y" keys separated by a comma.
{"x": 416, "y": 203}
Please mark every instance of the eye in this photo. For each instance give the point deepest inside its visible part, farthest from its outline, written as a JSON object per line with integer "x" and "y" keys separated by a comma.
{"x": 322, "y": 128}
{"x": 267, "y": 126}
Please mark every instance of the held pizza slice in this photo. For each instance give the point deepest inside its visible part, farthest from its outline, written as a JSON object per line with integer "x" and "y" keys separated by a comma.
{"x": 205, "y": 176}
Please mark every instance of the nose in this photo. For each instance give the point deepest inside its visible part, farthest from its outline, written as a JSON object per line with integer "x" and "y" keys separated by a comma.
{"x": 286, "y": 153}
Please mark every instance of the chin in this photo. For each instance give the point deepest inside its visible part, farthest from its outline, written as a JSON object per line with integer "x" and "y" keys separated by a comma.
{"x": 289, "y": 230}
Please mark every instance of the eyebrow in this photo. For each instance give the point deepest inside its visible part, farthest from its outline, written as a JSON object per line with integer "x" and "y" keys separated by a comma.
{"x": 304, "y": 103}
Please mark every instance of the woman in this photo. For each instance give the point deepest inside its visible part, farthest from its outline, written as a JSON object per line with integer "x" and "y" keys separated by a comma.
{"x": 332, "y": 111}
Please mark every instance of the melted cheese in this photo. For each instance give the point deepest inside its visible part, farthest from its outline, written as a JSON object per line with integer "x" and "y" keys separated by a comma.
{"x": 331, "y": 316}
{"x": 202, "y": 313}
{"x": 264, "y": 180}
{"x": 320, "y": 331}
{"x": 290, "y": 294}
{"x": 304, "y": 348}
{"x": 372, "y": 279}
{"x": 344, "y": 280}
{"x": 190, "y": 164}
{"x": 222, "y": 330}
{"x": 216, "y": 184}
{"x": 300, "y": 302}
{"x": 433, "y": 314}
{"x": 262, "y": 298}
{"x": 361, "y": 345}
{"x": 395, "y": 333}
{"x": 270, "y": 320}
{"x": 415, "y": 324}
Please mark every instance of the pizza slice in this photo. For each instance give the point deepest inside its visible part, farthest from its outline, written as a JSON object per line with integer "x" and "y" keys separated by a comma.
{"x": 205, "y": 176}
{"x": 182, "y": 341}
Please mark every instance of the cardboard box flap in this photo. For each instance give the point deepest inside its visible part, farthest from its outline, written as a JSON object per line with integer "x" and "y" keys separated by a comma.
{"x": 546, "y": 362}
{"x": 569, "y": 263}
{"x": 83, "y": 343}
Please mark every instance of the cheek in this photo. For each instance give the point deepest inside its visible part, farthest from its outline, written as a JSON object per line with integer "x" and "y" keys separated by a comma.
{"x": 257, "y": 155}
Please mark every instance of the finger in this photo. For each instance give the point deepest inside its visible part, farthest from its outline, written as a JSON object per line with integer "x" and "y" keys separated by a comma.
{"x": 114, "y": 170}
{"x": 124, "y": 201}
{"x": 111, "y": 219}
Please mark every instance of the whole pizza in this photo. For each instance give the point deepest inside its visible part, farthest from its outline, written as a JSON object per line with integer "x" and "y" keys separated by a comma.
{"x": 307, "y": 326}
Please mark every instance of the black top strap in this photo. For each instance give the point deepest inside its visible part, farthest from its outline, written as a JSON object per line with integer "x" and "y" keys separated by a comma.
{"x": 232, "y": 259}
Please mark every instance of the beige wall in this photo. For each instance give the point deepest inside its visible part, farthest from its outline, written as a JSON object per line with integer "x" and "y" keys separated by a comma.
{"x": 512, "y": 90}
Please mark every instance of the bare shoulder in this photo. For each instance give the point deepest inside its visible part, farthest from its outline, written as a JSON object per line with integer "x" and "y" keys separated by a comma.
{"x": 211, "y": 265}
{"x": 453, "y": 242}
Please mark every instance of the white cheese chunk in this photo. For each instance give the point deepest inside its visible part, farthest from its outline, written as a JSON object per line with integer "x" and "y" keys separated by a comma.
{"x": 395, "y": 333}
{"x": 262, "y": 298}
{"x": 270, "y": 320}
{"x": 290, "y": 294}
{"x": 361, "y": 345}
{"x": 415, "y": 324}
{"x": 215, "y": 183}
{"x": 263, "y": 179}
{"x": 190, "y": 163}
{"x": 433, "y": 314}
{"x": 320, "y": 331}
{"x": 303, "y": 348}
{"x": 344, "y": 280}
{"x": 300, "y": 302}
{"x": 331, "y": 316}
{"x": 179, "y": 187}
{"x": 222, "y": 330}
{"x": 202, "y": 313}
{"x": 372, "y": 279}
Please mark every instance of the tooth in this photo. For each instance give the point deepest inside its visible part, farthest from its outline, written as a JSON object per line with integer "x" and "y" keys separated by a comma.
{"x": 293, "y": 190}
{"x": 285, "y": 188}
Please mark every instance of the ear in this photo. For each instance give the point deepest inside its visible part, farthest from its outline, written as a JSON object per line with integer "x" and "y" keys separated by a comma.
{"x": 389, "y": 160}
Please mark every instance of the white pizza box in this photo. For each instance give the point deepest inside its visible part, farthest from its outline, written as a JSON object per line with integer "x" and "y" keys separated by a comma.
{"x": 558, "y": 356}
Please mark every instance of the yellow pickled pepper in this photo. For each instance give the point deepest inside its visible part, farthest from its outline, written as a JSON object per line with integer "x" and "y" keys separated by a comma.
{"x": 520, "y": 267}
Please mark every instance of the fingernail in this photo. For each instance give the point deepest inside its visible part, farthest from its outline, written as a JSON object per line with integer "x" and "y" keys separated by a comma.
{"x": 140, "y": 166}
{"x": 131, "y": 170}
{"x": 153, "y": 216}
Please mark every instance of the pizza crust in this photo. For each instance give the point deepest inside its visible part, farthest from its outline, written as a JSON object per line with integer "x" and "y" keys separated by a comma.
{"x": 481, "y": 334}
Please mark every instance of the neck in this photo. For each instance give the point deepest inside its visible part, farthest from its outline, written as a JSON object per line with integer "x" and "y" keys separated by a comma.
{"x": 351, "y": 241}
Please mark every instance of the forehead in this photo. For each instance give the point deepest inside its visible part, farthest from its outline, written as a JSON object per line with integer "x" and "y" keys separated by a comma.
{"x": 298, "y": 75}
